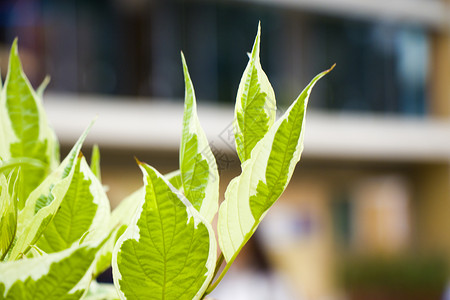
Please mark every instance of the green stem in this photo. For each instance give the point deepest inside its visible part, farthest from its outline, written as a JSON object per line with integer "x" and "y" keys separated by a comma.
{"x": 211, "y": 287}
{"x": 218, "y": 264}
{"x": 214, "y": 285}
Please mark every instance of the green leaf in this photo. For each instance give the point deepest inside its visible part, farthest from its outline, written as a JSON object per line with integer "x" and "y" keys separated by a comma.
{"x": 255, "y": 109}
{"x": 40, "y": 90}
{"x": 6, "y": 167}
{"x": 25, "y": 127}
{"x": 61, "y": 275}
{"x": 31, "y": 221}
{"x": 103, "y": 260}
{"x": 264, "y": 177}
{"x": 121, "y": 217}
{"x": 8, "y": 212}
{"x": 95, "y": 162}
{"x": 175, "y": 179}
{"x": 197, "y": 163}
{"x": 168, "y": 251}
{"x": 85, "y": 208}
{"x": 101, "y": 291}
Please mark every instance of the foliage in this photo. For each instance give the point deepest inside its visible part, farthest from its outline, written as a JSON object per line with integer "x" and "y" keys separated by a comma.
{"x": 160, "y": 240}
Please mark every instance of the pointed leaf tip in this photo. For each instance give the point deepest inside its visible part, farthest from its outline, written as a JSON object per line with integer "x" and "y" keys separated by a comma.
{"x": 256, "y": 44}
{"x": 198, "y": 167}
{"x": 40, "y": 90}
{"x": 168, "y": 248}
{"x": 187, "y": 77}
{"x": 14, "y": 45}
{"x": 14, "y": 55}
{"x": 95, "y": 162}
{"x": 265, "y": 175}
{"x": 332, "y": 67}
{"x": 255, "y": 108}
{"x": 139, "y": 163}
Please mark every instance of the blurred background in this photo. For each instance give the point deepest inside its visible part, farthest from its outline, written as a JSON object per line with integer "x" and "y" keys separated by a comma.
{"x": 367, "y": 213}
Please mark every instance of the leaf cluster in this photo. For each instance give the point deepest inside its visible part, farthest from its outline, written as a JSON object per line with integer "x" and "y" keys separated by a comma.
{"x": 58, "y": 233}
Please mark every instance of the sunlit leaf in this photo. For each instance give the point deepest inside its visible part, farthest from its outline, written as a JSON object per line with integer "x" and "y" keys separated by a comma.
{"x": 95, "y": 162}
{"x": 44, "y": 202}
{"x": 168, "y": 251}
{"x": 255, "y": 108}
{"x": 264, "y": 177}
{"x": 8, "y": 212}
{"x": 121, "y": 217}
{"x": 197, "y": 163}
{"x": 101, "y": 291}
{"x": 40, "y": 90}
{"x": 85, "y": 208}
{"x": 26, "y": 133}
{"x": 175, "y": 179}
{"x": 60, "y": 275}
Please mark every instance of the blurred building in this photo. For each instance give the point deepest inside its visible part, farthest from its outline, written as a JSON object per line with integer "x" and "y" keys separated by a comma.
{"x": 371, "y": 195}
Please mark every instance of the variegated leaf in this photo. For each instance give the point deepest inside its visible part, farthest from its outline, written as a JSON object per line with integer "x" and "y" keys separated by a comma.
{"x": 60, "y": 275}
{"x": 8, "y": 212}
{"x": 44, "y": 202}
{"x": 121, "y": 217}
{"x": 24, "y": 126}
{"x": 101, "y": 291}
{"x": 95, "y": 162}
{"x": 168, "y": 251}
{"x": 197, "y": 163}
{"x": 84, "y": 209}
{"x": 255, "y": 109}
{"x": 264, "y": 177}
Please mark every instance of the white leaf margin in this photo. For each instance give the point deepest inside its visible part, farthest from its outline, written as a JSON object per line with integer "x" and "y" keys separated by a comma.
{"x": 132, "y": 232}
{"x": 191, "y": 126}
{"x": 270, "y": 106}
{"x": 236, "y": 223}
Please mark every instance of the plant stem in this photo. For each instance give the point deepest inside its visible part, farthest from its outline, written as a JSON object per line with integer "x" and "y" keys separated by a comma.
{"x": 212, "y": 286}
{"x": 218, "y": 264}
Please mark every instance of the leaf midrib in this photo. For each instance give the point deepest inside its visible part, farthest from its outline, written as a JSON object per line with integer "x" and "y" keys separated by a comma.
{"x": 271, "y": 190}
{"x": 246, "y": 104}
{"x": 164, "y": 254}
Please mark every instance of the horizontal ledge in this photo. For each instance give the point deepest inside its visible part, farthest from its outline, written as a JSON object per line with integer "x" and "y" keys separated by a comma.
{"x": 430, "y": 13}
{"x": 128, "y": 123}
